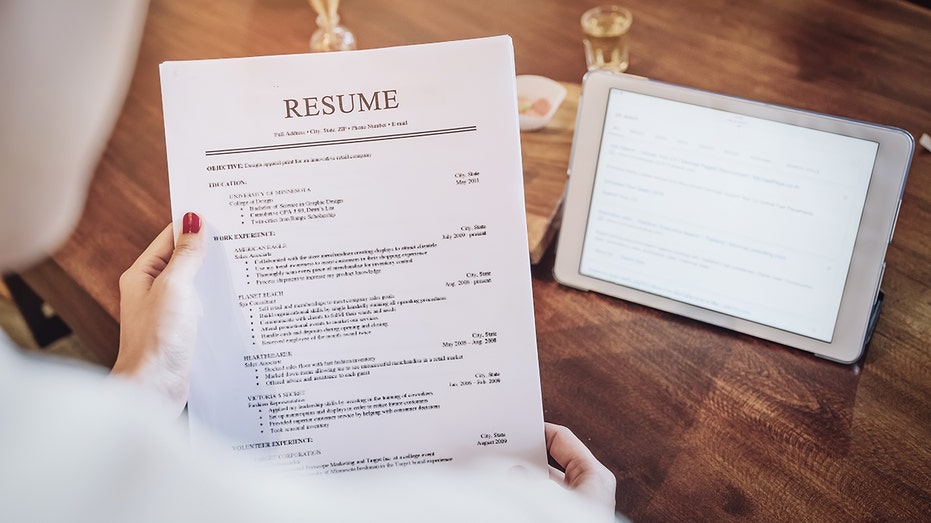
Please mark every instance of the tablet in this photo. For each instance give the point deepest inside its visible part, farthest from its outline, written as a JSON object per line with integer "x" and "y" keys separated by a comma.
{"x": 766, "y": 220}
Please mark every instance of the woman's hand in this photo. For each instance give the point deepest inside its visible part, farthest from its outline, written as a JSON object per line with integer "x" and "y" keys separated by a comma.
{"x": 159, "y": 312}
{"x": 583, "y": 474}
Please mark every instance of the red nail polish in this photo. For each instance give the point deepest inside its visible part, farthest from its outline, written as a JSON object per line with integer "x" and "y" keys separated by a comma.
{"x": 190, "y": 223}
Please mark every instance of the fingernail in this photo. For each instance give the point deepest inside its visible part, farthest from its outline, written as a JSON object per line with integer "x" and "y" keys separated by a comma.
{"x": 190, "y": 223}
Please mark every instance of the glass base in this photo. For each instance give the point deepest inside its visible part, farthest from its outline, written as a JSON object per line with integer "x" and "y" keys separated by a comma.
{"x": 332, "y": 38}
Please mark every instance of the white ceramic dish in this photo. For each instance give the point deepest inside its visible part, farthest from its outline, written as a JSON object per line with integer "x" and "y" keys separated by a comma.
{"x": 538, "y": 97}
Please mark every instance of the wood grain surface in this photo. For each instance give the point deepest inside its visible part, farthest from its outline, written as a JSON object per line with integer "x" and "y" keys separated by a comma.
{"x": 698, "y": 423}
{"x": 545, "y": 157}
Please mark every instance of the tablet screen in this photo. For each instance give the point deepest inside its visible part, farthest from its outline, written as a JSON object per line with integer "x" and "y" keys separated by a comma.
{"x": 740, "y": 215}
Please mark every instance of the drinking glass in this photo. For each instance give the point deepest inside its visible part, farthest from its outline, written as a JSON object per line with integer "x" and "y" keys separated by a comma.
{"x": 606, "y": 41}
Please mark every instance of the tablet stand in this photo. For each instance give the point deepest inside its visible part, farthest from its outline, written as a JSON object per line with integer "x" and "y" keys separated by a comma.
{"x": 874, "y": 316}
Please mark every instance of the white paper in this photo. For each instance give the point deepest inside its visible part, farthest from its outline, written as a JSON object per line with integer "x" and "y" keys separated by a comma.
{"x": 366, "y": 297}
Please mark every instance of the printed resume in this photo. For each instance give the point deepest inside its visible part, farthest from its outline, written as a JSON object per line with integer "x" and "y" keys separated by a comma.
{"x": 366, "y": 295}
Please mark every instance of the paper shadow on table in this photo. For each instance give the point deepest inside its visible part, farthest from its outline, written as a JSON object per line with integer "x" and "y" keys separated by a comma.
{"x": 681, "y": 410}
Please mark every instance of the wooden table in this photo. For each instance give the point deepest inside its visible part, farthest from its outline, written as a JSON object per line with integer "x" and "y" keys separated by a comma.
{"x": 698, "y": 423}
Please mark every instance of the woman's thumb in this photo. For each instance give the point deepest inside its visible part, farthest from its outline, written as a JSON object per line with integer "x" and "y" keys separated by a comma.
{"x": 190, "y": 248}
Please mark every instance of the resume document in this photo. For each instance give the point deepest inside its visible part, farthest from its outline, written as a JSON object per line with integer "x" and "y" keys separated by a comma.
{"x": 366, "y": 295}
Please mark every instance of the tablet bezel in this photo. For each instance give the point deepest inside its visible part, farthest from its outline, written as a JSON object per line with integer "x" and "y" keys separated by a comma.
{"x": 880, "y": 211}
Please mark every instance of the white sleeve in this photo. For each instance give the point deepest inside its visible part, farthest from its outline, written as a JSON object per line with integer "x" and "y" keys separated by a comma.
{"x": 78, "y": 447}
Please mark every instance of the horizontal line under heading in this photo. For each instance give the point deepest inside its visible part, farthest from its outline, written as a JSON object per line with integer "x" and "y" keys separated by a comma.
{"x": 364, "y": 139}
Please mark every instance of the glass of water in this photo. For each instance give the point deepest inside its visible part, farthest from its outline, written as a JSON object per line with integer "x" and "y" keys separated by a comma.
{"x": 606, "y": 39}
